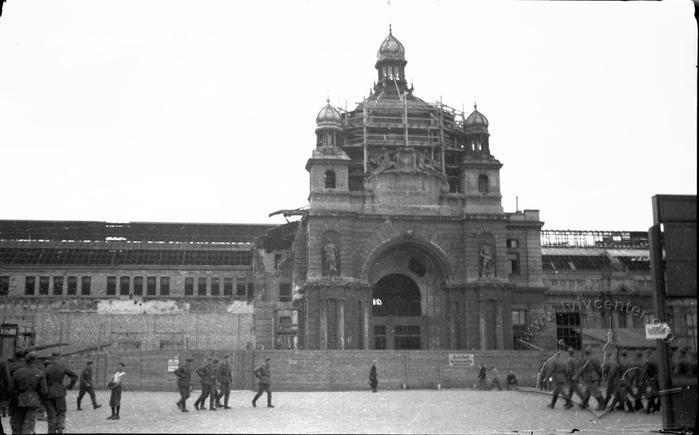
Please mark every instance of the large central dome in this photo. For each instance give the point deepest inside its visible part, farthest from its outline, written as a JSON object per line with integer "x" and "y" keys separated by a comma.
{"x": 391, "y": 49}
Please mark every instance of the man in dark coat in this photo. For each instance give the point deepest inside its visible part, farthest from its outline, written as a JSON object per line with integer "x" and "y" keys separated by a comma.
{"x": 264, "y": 383}
{"x": 650, "y": 382}
{"x": 481, "y": 377}
{"x": 557, "y": 369}
{"x": 590, "y": 372}
{"x": 184, "y": 383}
{"x": 224, "y": 379}
{"x": 5, "y": 386}
{"x": 86, "y": 386}
{"x": 619, "y": 376}
{"x": 29, "y": 386}
{"x": 206, "y": 377}
{"x": 573, "y": 365}
{"x": 56, "y": 397}
{"x": 17, "y": 363}
{"x": 373, "y": 377}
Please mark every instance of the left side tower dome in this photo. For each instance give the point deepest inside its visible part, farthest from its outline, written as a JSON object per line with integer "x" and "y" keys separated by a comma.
{"x": 328, "y": 126}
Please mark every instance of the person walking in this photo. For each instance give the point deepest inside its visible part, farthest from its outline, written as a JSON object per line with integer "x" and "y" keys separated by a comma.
{"x": 574, "y": 365}
{"x": 373, "y": 377}
{"x": 115, "y": 396}
{"x": 511, "y": 381}
{"x": 264, "y": 383}
{"x": 29, "y": 385}
{"x": 86, "y": 386}
{"x": 206, "y": 375}
{"x": 184, "y": 383}
{"x": 17, "y": 363}
{"x": 590, "y": 372}
{"x": 224, "y": 379}
{"x": 5, "y": 387}
{"x": 56, "y": 397}
{"x": 557, "y": 369}
{"x": 481, "y": 377}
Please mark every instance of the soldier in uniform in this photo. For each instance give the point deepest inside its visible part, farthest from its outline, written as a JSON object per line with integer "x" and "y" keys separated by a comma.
{"x": 590, "y": 372}
{"x": 115, "y": 395}
{"x": 184, "y": 383}
{"x": 29, "y": 385}
{"x": 5, "y": 386}
{"x": 86, "y": 386}
{"x": 557, "y": 369}
{"x": 17, "y": 363}
{"x": 621, "y": 384}
{"x": 56, "y": 398}
{"x": 636, "y": 376}
{"x": 205, "y": 377}
{"x": 373, "y": 377}
{"x": 224, "y": 379}
{"x": 650, "y": 382}
{"x": 573, "y": 367}
{"x": 264, "y": 383}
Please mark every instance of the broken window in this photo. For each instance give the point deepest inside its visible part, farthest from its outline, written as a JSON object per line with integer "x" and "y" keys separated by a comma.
{"x": 241, "y": 287}
{"x": 124, "y": 284}
{"x": 284, "y": 292}
{"x": 85, "y": 284}
{"x": 43, "y": 285}
{"x": 150, "y": 286}
{"x": 29, "y": 285}
{"x": 164, "y": 285}
{"x": 189, "y": 286}
{"x": 138, "y": 285}
{"x": 201, "y": 287}
{"x": 72, "y": 285}
{"x": 58, "y": 285}
{"x": 330, "y": 179}
{"x": 228, "y": 286}
{"x": 111, "y": 285}
{"x": 4, "y": 285}
{"x": 215, "y": 283}
{"x": 483, "y": 183}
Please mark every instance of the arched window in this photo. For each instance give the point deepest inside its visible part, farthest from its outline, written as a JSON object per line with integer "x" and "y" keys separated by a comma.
{"x": 483, "y": 183}
{"x": 329, "y": 179}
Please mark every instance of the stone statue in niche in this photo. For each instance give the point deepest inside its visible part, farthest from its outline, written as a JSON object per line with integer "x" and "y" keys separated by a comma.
{"x": 330, "y": 259}
{"x": 487, "y": 269}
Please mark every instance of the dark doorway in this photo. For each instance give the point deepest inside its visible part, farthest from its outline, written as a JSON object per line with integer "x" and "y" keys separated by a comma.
{"x": 396, "y": 295}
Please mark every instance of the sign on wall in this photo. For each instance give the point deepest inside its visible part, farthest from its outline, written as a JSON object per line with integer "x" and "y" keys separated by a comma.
{"x": 172, "y": 364}
{"x": 658, "y": 331}
{"x": 460, "y": 360}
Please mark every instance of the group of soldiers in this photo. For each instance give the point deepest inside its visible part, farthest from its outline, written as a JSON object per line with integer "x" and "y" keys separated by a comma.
{"x": 32, "y": 386}
{"x": 216, "y": 381}
{"x": 628, "y": 381}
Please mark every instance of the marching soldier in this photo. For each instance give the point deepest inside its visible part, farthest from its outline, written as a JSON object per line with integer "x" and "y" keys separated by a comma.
{"x": 17, "y": 363}
{"x": 573, "y": 367}
{"x": 206, "y": 377}
{"x": 184, "y": 383}
{"x": 620, "y": 386}
{"x": 558, "y": 370}
{"x": 264, "y": 383}
{"x": 29, "y": 385}
{"x": 650, "y": 382}
{"x": 86, "y": 386}
{"x": 56, "y": 397}
{"x": 636, "y": 376}
{"x": 5, "y": 386}
{"x": 590, "y": 372}
{"x": 223, "y": 376}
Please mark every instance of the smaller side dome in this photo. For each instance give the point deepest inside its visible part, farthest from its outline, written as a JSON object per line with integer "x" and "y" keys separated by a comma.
{"x": 476, "y": 119}
{"x": 328, "y": 116}
{"x": 391, "y": 48}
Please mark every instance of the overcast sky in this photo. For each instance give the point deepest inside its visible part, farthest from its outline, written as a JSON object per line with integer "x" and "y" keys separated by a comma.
{"x": 184, "y": 111}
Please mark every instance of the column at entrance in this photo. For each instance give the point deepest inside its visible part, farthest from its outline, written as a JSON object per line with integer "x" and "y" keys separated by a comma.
{"x": 499, "y": 328}
{"x": 365, "y": 325}
{"x": 481, "y": 325}
{"x": 340, "y": 323}
{"x": 323, "y": 324}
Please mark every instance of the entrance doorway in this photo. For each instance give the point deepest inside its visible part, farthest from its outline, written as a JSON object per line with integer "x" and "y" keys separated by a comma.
{"x": 396, "y": 313}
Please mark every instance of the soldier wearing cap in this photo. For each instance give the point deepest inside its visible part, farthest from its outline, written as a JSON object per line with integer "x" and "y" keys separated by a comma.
{"x": 207, "y": 378}
{"x": 590, "y": 372}
{"x": 86, "y": 386}
{"x": 621, "y": 384}
{"x": 557, "y": 369}
{"x": 184, "y": 383}
{"x": 28, "y": 386}
{"x": 56, "y": 397}
{"x": 574, "y": 365}
{"x": 650, "y": 382}
{"x": 264, "y": 383}
{"x": 224, "y": 379}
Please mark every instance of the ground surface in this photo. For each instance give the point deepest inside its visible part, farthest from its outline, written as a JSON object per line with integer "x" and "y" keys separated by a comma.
{"x": 411, "y": 411}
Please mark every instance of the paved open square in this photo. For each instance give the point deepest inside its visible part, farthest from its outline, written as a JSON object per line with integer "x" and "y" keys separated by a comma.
{"x": 397, "y": 411}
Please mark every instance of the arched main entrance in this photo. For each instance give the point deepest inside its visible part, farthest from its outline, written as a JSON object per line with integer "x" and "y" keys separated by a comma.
{"x": 396, "y": 313}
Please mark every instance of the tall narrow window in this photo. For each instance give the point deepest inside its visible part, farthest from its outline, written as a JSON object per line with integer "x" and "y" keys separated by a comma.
{"x": 58, "y": 285}
{"x": 29, "y": 285}
{"x": 138, "y": 285}
{"x": 124, "y": 284}
{"x": 189, "y": 286}
{"x": 514, "y": 263}
{"x": 164, "y": 285}
{"x": 72, "y": 285}
{"x": 483, "y": 183}
{"x": 251, "y": 290}
{"x": 111, "y": 285}
{"x": 150, "y": 286}
{"x": 4, "y": 285}
{"x": 329, "y": 179}
{"x": 241, "y": 287}
{"x": 284, "y": 292}
{"x": 201, "y": 287}
{"x": 215, "y": 284}
{"x": 43, "y": 285}
{"x": 228, "y": 286}
{"x": 85, "y": 284}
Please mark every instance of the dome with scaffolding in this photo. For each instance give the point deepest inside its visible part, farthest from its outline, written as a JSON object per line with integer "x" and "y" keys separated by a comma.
{"x": 476, "y": 119}
{"x": 391, "y": 48}
{"x": 328, "y": 116}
